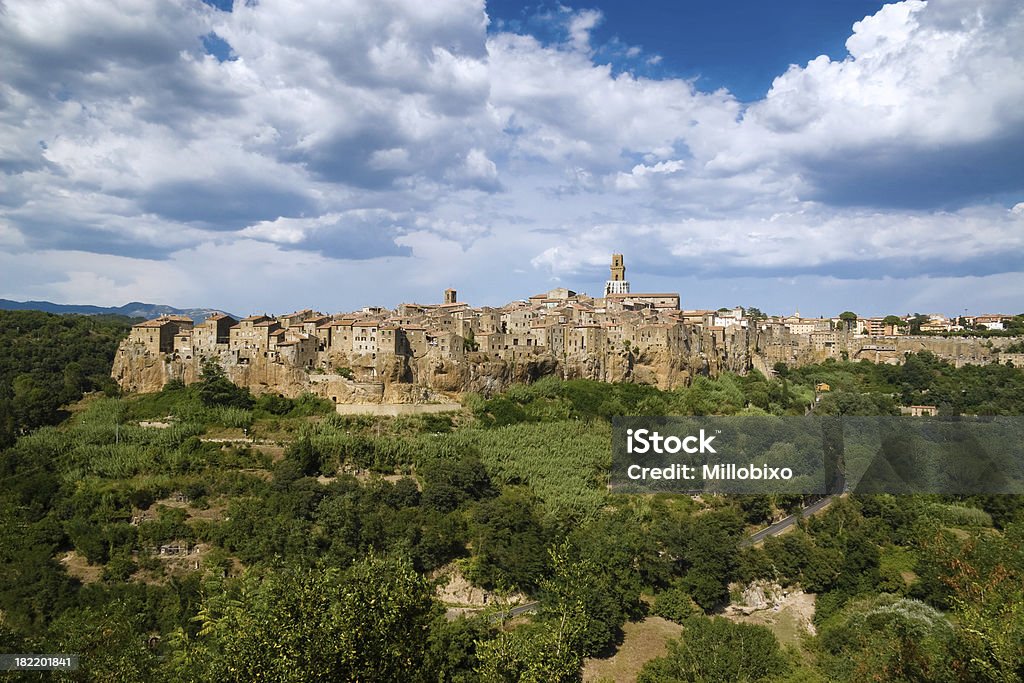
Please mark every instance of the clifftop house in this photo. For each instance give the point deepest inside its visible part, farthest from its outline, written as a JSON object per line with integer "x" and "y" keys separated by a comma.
{"x": 604, "y": 337}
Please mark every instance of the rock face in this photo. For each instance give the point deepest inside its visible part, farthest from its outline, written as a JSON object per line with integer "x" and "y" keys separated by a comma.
{"x": 454, "y": 589}
{"x": 135, "y": 369}
{"x": 759, "y": 595}
{"x": 769, "y": 604}
{"x": 436, "y": 375}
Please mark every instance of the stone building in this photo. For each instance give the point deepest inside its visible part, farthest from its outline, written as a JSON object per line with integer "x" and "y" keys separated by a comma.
{"x": 377, "y": 354}
{"x": 157, "y": 335}
{"x": 617, "y": 283}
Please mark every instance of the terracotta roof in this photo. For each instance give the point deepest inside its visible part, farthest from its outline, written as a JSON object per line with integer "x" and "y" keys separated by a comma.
{"x": 165, "y": 319}
{"x": 158, "y": 322}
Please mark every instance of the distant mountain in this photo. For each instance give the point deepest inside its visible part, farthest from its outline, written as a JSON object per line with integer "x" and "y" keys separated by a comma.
{"x": 135, "y": 309}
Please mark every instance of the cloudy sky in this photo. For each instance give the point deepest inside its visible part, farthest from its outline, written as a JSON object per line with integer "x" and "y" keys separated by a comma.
{"x": 273, "y": 155}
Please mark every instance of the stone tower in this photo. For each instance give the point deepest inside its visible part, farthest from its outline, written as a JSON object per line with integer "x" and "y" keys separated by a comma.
{"x": 618, "y": 283}
{"x": 450, "y": 296}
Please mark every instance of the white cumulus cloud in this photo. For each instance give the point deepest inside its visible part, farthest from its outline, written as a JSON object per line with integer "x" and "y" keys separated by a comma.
{"x": 402, "y": 143}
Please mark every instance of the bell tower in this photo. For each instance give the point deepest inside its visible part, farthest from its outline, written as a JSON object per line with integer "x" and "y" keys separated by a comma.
{"x": 618, "y": 283}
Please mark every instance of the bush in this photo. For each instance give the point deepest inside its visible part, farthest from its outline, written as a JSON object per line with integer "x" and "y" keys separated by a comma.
{"x": 273, "y": 404}
{"x": 716, "y": 649}
{"x": 276, "y": 405}
{"x": 215, "y": 389}
{"x": 887, "y": 638}
{"x": 436, "y": 424}
{"x": 960, "y": 515}
{"x": 142, "y": 498}
{"x": 675, "y": 604}
{"x": 195, "y": 490}
{"x": 120, "y": 567}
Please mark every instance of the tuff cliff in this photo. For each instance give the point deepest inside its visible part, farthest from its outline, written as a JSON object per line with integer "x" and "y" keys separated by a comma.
{"x": 352, "y": 378}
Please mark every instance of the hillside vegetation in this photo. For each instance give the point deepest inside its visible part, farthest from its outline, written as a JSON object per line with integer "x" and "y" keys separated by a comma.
{"x": 204, "y": 534}
{"x": 48, "y": 361}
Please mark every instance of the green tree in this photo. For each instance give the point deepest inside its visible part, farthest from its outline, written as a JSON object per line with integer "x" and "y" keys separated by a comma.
{"x": 452, "y": 648}
{"x": 535, "y": 653}
{"x": 53, "y": 359}
{"x": 887, "y": 638}
{"x": 306, "y": 457}
{"x": 110, "y": 642}
{"x": 707, "y": 557}
{"x": 675, "y": 604}
{"x": 215, "y": 389}
{"x": 369, "y": 622}
{"x": 986, "y": 576}
{"x": 916, "y": 321}
{"x": 757, "y": 509}
{"x": 35, "y": 404}
{"x": 585, "y": 597}
{"x": 716, "y": 649}
{"x": 508, "y": 542}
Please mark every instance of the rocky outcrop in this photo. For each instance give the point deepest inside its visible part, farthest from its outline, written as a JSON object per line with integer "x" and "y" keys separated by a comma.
{"x": 389, "y": 378}
{"x": 136, "y": 370}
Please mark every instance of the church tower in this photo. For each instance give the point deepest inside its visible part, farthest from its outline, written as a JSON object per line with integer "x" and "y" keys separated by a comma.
{"x": 618, "y": 283}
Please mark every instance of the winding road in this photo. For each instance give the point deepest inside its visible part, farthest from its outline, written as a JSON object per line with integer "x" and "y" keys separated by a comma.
{"x": 783, "y": 524}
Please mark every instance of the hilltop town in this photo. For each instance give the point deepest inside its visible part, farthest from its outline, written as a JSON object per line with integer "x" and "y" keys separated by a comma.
{"x": 431, "y": 352}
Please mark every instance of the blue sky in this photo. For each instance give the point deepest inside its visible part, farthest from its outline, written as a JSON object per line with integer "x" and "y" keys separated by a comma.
{"x": 741, "y": 45}
{"x": 253, "y": 156}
